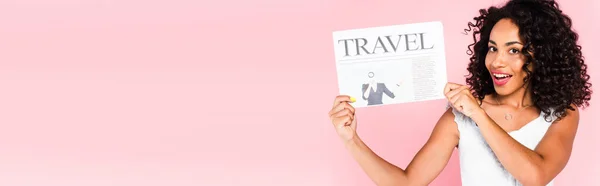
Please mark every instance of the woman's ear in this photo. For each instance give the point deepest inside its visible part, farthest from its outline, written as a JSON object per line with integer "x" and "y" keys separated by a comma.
{"x": 530, "y": 66}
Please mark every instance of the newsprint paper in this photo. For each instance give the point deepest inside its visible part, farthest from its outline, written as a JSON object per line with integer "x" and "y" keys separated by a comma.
{"x": 391, "y": 64}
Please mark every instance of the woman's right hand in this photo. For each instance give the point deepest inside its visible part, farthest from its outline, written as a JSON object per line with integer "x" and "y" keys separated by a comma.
{"x": 343, "y": 118}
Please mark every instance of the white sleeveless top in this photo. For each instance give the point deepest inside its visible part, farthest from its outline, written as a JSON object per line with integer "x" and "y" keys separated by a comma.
{"x": 478, "y": 163}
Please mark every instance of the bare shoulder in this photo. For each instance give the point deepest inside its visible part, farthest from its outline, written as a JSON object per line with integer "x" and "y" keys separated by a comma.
{"x": 567, "y": 124}
{"x": 571, "y": 116}
{"x": 561, "y": 134}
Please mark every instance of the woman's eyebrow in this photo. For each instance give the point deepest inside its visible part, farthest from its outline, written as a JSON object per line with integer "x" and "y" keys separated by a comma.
{"x": 507, "y": 43}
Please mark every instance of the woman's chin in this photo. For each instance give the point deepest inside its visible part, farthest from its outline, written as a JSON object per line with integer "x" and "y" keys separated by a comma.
{"x": 501, "y": 91}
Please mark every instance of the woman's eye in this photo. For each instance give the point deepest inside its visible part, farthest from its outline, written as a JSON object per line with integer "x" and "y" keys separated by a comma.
{"x": 492, "y": 49}
{"x": 513, "y": 51}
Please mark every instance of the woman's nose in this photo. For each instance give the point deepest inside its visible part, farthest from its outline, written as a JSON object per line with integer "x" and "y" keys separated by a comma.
{"x": 498, "y": 61}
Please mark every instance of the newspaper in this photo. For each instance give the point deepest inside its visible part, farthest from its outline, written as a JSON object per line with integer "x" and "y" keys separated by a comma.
{"x": 391, "y": 64}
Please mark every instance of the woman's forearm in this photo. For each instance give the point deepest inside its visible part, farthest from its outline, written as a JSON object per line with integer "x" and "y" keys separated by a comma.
{"x": 523, "y": 163}
{"x": 379, "y": 170}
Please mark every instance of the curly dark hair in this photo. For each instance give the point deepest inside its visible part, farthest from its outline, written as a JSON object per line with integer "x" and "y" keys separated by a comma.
{"x": 559, "y": 77}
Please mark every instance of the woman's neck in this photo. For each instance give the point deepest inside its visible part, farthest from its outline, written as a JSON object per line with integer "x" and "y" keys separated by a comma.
{"x": 518, "y": 99}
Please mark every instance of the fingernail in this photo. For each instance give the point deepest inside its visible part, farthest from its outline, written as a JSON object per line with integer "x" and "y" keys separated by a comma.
{"x": 352, "y": 99}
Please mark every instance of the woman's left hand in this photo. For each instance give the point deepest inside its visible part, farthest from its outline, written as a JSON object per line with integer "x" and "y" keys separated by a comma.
{"x": 461, "y": 98}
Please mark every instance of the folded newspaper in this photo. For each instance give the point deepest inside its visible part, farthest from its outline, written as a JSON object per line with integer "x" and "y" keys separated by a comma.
{"x": 391, "y": 64}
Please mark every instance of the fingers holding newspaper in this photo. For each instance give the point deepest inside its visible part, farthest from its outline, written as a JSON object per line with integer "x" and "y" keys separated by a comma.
{"x": 462, "y": 99}
{"x": 343, "y": 118}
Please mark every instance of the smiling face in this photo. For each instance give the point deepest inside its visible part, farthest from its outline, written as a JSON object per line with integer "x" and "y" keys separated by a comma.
{"x": 504, "y": 59}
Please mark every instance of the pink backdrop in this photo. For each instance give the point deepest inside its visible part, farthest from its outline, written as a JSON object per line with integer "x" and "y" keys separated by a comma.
{"x": 132, "y": 92}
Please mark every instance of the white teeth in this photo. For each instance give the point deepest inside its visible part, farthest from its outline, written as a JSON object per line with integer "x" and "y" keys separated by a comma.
{"x": 501, "y": 75}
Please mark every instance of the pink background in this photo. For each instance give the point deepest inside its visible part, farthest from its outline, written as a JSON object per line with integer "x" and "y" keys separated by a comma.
{"x": 132, "y": 92}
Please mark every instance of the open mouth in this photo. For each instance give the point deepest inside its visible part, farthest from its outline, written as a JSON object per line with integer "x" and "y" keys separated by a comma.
{"x": 501, "y": 78}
